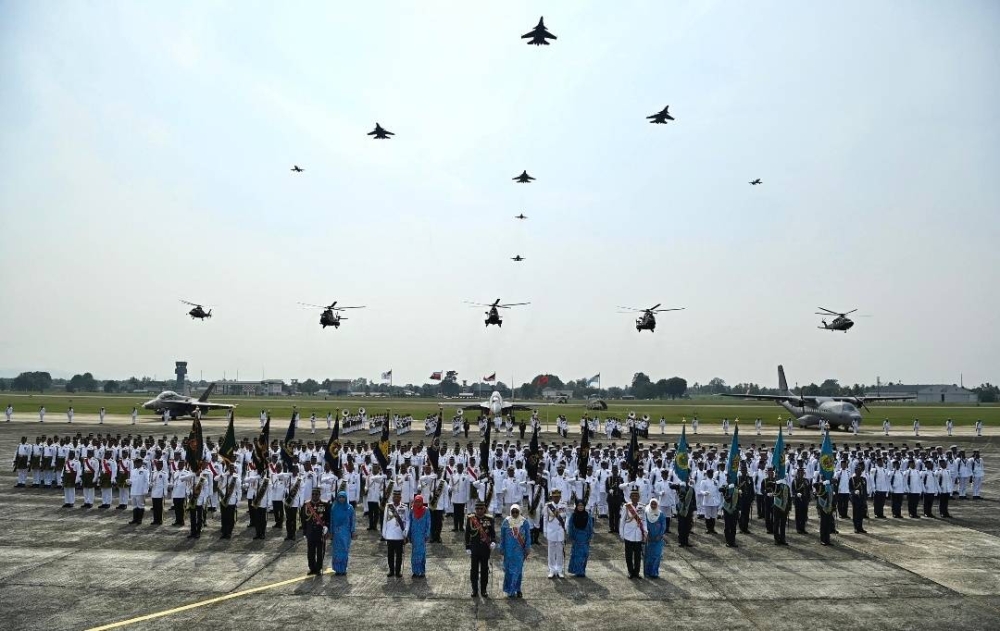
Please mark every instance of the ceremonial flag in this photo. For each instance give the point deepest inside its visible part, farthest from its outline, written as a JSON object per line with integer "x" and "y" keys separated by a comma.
{"x": 595, "y": 379}
{"x": 227, "y": 450}
{"x": 387, "y": 376}
{"x": 436, "y": 376}
{"x": 194, "y": 445}
{"x": 632, "y": 456}
{"x": 733, "y": 461}
{"x": 381, "y": 451}
{"x": 778, "y": 459}
{"x": 437, "y": 429}
{"x": 491, "y": 378}
{"x": 332, "y": 455}
{"x": 484, "y": 450}
{"x": 544, "y": 379}
{"x": 681, "y": 465}
{"x": 826, "y": 459}
{"x": 287, "y": 455}
{"x": 584, "y": 451}
{"x": 533, "y": 457}
{"x": 260, "y": 447}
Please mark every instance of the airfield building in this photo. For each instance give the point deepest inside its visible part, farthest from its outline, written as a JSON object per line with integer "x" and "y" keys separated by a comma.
{"x": 261, "y": 388}
{"x": 930, "y": 393}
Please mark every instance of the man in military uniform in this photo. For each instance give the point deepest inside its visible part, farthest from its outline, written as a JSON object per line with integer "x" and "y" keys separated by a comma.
{"x": 480, "y": 540}
{"x": 824, "y": 506}
{"x": 781, "y": 498}
{"x": 685, "y": 513}
{"x": 315, "y": 520}
{"x": 730, "y": 508}
{"x": 859, "y": 498}
{"x": 801, "y": 493}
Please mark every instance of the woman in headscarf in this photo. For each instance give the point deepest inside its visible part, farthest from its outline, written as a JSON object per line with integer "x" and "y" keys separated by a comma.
{"x": 420, "y": 533}
{"x": 656, "y": 528}
{"x": 515, "y": 543}
{"x": 580, "y": 531}
{"x": 341, "y": 533}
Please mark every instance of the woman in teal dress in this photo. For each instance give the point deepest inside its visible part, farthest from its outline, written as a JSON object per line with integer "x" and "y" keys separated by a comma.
{"x": 580, "y": 531}
{"x": 420, "y": 533}
{"x": 341, "y": 533}
{"x": 515, "y": 543}
{"x": 656, "y": 528}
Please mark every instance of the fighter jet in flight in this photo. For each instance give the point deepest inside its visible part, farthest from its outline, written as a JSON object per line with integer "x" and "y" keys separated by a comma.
{"x": 539, "y": 34}
{"x": 380, "y": 133}
{"x": 661, "y": 117}
{"x": 521, "y": 216}
{"x": 517, "y": 258}
{"x": 297, "y": 169}
{"x": 755, "y": 182}
{"x": 524, "y": 178}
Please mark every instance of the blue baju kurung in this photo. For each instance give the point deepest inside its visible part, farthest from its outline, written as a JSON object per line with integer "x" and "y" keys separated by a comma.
{"x": 341, "y": 532}
{"x": 580, "y": 538}
{"x": 514, "y": 554}
{"x": 420, "y": 533}
{"x": 655, "y": 531}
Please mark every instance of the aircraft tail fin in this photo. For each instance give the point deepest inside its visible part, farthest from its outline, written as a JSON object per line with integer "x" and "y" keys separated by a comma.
{"x": 782, "y": 383}
{"x": 208, "y": 391}
{"x": 210, "y": 313}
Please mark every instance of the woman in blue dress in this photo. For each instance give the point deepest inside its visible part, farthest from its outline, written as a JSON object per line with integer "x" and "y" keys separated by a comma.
{"x": 420, "y": 533}
{"x": 580, "y": 531}
{"x": 656, "y": 528}
{"x": 341, "y": 533}
{"x": 515, "y": 543}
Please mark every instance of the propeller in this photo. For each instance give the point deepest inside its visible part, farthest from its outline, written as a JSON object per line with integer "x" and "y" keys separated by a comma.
{"x": 194, "y": 304}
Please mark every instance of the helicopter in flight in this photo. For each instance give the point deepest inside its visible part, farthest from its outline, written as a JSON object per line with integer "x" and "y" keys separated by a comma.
{"x": 493, "y": 315}
{"x": 839, "y": 323}
{"x": 198, "y": 311}
{"x": 647, "y": 321}
{"x": 331, "y": 313}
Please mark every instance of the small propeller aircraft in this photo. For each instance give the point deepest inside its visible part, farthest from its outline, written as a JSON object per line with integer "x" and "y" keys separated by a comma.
{"x": 521, "y": 216}
{"x": 331, "y": 313}
{"x": 517, "y": 258}
{"x": 661, "y": 117}
{"x": 493, "y": 315}
{"x": 840, "y": 323}
{"x": 297, "y": 169}
{"x": 380, "y": 133}
{"x": 198, "y": 311}
{"x": 524, "y": 178}
{"x": 755, "y": 182}
{"x": 647, "y": 321}
{"x": 539, "y": 34}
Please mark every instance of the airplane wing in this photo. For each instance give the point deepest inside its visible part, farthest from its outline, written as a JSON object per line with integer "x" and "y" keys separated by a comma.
{"x": 476, "y": 406}
{"x": 529, "y": 34}
{"x": 508, "y": 407}
{"x": 776, "y": 397}
{"x": 215, "y": 406}
{"x": 902, "y": 397}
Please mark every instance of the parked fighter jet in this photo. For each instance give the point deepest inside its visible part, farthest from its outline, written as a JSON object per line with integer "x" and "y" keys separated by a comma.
{"x": 539, "y": 34}
{"x": 524, "y": 178}
{"x": 380, "y": 133}
{"x": 180, "y": 405}
{"x": 297, "y": 169}
{"x": 496, "y": 406}
{"x": 661, "y": 117}
{"x": 755, "y": 182}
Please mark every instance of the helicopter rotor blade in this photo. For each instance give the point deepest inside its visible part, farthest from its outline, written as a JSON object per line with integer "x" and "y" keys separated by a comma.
{"x": 495, "y": 303}
{"x": 631, "y": 309}
{"x": 654, "y": 307}
{"x": 849, "y": 312}
{"x": 662, "y": 310}
{"x": 342, "y": 308}
{"x": 512, "y": 304}
{"x": 829, "y": 311}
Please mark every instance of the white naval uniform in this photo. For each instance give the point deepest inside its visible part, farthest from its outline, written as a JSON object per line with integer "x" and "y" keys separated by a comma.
{"x": 554, "y": 527}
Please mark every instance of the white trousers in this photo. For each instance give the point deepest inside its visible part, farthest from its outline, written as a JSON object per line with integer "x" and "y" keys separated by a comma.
{"x": 556, "y": 557}
{"x": 139, "y": 501}
{"x": 977, "y": 483}
{"x": 69, "y": 493}
{"x": 106, "y": 496}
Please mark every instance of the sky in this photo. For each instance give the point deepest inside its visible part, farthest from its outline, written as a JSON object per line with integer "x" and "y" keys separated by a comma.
{"x": 145, "y": 151}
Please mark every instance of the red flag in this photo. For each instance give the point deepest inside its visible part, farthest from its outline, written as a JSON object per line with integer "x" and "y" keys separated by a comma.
{"x": 436, "y": 376}
{"x": 544, "y": 379}
{"x": 492, "y": 377}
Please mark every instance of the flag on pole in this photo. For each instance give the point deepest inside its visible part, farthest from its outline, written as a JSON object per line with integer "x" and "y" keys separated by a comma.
{"x": 387, "y": 376}
{"x": 491, "y": 378}
{"x": 436, "y": 376}
{"x": 484, "y": 450}
{"x": 287, "y": 455}
{"x": 381, "y": 451}
{"x": 632, "y": 456}
{"x": 595, "y": 380}
{"x": 778, "y": 459}
{"x": 733, "y": 460}
{"x": 826, "y": 458}
{"x": 260, "y": 447}
{"x": 584, "y": 451}
{"x": 194, "y": 446}
{"x": 227, "y": 449}
{"x": 533, "y": 454}
{"x": 544, "y": 379}
{"x": 681, "y": 465}
{"x": 332, "y": 455}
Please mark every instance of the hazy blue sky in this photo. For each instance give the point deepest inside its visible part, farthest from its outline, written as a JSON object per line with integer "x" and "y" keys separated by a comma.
{"x": 145, "y": 151}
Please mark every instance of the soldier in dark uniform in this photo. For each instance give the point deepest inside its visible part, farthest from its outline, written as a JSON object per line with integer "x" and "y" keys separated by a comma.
{"x": 824, "y": 506}
{"x": 744, "y": 484}
{"x": 685, "y": 513}
{"x": 780, "y": 505}
{"x": 480, "y": 539}
{"x": 315, "y": 517}
{"x": 802, "y": 491}
{"x": 859, "y": 498}
{"x": 768, "y": 487}
{"x": 616, "y": 497}
{"x": 731, "y": 495}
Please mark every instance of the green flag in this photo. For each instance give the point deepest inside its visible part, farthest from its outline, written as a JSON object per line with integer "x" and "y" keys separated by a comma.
{"x": 227, "y": 450}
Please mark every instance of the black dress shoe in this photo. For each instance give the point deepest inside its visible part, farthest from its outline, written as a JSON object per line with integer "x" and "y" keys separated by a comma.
{"x": 390, "y": 575}
{"x": 520, "y": 595}
{"x": 485, "y": 595}
{"x": 475, "y": 595}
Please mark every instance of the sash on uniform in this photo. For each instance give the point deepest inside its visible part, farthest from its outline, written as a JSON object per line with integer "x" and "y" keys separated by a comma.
{"x": 635, "y": 516}
{"x": 395, "y": 515}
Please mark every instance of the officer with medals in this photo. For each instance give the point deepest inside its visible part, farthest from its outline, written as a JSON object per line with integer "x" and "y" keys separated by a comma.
{"x": 480, "y": 540}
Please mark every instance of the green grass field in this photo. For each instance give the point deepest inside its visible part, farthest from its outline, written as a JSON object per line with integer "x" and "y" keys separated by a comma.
{"x": 709, "y": 410}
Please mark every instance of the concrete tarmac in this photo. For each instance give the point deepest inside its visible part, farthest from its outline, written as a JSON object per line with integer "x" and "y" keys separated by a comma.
{"x": 78, "y": 569}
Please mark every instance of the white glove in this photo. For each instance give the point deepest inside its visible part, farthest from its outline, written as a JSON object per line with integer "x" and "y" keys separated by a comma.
{"x": 469, "y": 552}
{"x": 493, "y": 546}
{"x": 325, "y": 530}
{"x": 732, "y": 486}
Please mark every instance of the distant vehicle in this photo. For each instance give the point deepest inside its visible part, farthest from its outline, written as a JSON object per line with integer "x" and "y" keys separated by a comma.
{"x": 198, "y": 311}
{"x": 562, "y": 399}
{"x": 493, "y": 315}
{"x": 596, "y": 403}
{"x": 297, "y": 169}
{"x": 647, "y": 321}
{"x": 539, "y": 34}
{"x": 839, "y": 323}
{"x": 331, "y": 313}
{"x": 755, "y": 182}
{"x": 524, "y": 178}
{"x": 180, "y": 405}
{"x": 380, "y": 133}
{"x": 661, "y": 117}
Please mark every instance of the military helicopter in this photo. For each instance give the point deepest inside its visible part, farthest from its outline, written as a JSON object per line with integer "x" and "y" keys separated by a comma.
{"x": 330, "y": 315}
{"x": 493, "y": 315}
{"x": 198, "y": 311}
{"x": 839, "y": 323}
{"x": 647, "y": 321}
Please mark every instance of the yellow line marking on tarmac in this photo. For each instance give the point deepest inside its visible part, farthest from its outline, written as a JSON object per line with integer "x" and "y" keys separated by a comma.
{"x": 203, "y": 603}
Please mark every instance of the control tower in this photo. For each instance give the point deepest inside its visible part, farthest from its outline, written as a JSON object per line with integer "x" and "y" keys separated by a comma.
{"x": 181, "y": 371}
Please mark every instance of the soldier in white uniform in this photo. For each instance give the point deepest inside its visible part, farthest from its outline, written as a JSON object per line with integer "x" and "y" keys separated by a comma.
{"x": 949, "y": 425}
{"x": 135, "y": 414}
{"x": 138, "y": 483}
{"x": 101, "y": 416}
{"x": 166, "y": 417}
{"x": 69, "y": 415}
{"x": 708, "y": 489}
{"x": 10, "y": 412}
{"x": 554, "y": 527}
{"x": 158, "y": 482}
{"x": 41, "y": 414}
{"x": 632, "y": 530}
{"x": 978, "y": 473}
{"x": 916, "y": 427}
{"x": 395, "y": 528}
{"x": 979, "y": 426}
{"x": 886, "y": 427}
{"x": 70, "y": 477}
{"x": 312, "y": 423}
